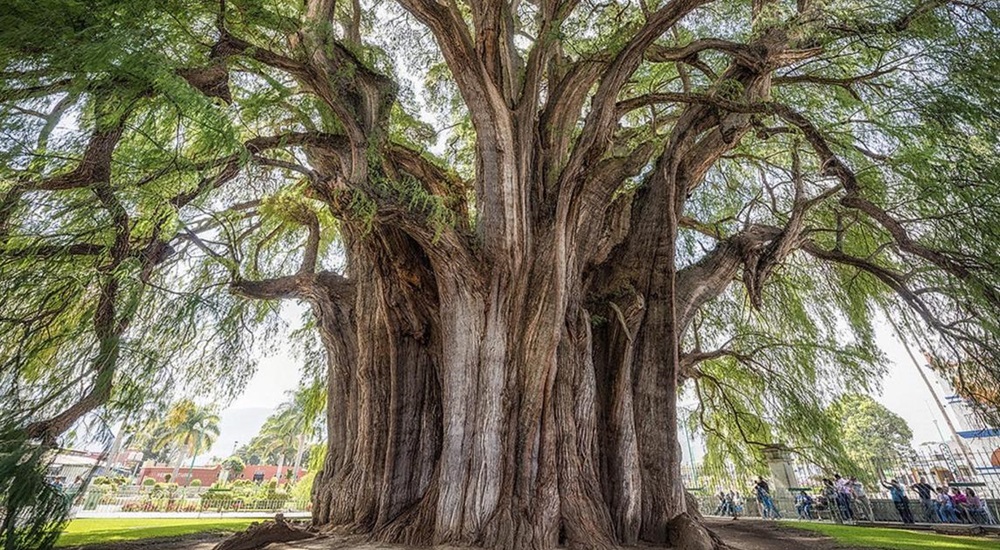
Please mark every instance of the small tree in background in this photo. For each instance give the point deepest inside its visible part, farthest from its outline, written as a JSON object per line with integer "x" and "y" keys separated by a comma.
{"x": 872, "y": 434}
{"x": 234, "y": 465}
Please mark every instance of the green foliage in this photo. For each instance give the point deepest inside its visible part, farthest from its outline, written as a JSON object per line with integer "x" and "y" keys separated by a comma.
{"x": 872, "y": 435}
{"x": 189, "y": 428}
{"x": 301, "y": 491}
{"x": 34, "y": 510}
{"x": 234, "y": 465}
{"x": 894, "y": 539}
{"x": 786, "y": 365}
{"x": 244, "y": 495}
{"x": 317, "y": 456}
{"x": 291, "y": 427}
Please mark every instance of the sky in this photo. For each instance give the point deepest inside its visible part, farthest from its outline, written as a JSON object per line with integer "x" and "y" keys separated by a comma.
{"x": 901, "y": 391}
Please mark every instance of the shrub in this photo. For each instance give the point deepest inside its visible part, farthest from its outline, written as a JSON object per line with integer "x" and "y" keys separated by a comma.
{"x": 148, "y": 482}
{"x": 195, "y": 483}
{"x": 302, "y": 489}
{"x": 221, "y": 499}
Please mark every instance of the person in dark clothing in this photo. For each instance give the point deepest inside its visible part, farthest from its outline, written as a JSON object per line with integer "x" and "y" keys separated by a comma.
{"x": 926, "y": 493}
{"x": 804, "y": 505}
{"x": 763, "y": 492}
{"x": 900, "y": 500}
{"x": 832, "y": 502}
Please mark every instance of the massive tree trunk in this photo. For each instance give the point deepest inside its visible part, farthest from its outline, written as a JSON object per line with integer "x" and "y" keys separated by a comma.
{"x": 477, "y": 406}
{"x": 492, "y": 408}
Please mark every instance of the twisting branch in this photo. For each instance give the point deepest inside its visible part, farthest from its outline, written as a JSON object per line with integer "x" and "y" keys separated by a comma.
{"x": 591, "y": 144}
{"x": 759, "y": 266}
{"x": 108, "y": 328}
{"x": 31, "y": 92}
{"x": 833, "y": 166}
{"x": 95, "y": 166}
{"x": 901, "y": 23}
{"x": 740, "y": 52}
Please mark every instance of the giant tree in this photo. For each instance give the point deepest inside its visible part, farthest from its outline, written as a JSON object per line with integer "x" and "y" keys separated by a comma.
{"x": 625, "y": 196}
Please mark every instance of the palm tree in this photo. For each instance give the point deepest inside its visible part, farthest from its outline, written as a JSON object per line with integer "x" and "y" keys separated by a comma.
{"x": 292, "y": 426}
{"x": 278, "y": 436}
{"x": 308, "y": 402}
{"x": 191, "y": 428}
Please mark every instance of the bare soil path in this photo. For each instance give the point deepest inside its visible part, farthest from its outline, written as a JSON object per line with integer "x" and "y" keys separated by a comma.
{"x": 745, "y": 534}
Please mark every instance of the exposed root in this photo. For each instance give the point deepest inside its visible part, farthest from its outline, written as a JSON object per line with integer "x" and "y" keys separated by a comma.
{"x": 259, "y": 535}
{"x": 687, "y": 533}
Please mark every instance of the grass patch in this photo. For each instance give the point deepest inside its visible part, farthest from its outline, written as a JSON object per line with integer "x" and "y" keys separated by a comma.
{"x": 895, "y": 539}
{"x": 104, "y": 530}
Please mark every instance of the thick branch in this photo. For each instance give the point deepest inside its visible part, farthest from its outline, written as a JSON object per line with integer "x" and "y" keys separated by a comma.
{"x": 706, "y": 279}
{"x": 742, "y": 53}
{"x": 292, "y": 286}
{"x": 591, "y": 144}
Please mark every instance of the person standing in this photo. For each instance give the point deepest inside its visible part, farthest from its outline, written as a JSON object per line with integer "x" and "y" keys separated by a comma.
{"x": 900, "y": 500}
{"x": 961, "y": 504}
{"x": 737, "y": 503}
{"x": 978, "y": 511}
{"x": 720, "y": 510}
{"x": 763, "y": 491}
{"x": 861, "y": 499}
{"x": 832, "y": 503}
{"x": 803, "y": 505}
{"x": 843, "y": 487}
{"x": 926, "y": 492}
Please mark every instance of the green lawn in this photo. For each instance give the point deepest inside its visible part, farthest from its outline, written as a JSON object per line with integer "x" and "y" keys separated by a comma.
{"x": 93, "y": 531}
{"x": 895, "y": 539}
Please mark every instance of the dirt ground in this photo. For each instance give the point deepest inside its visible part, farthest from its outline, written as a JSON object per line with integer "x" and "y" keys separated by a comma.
{"x": 740, "y": 535}
{"x": 765, "y": 535}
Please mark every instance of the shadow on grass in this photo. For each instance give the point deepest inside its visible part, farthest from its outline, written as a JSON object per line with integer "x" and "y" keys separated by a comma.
{"x": 896, "y": 539}
{"x": 133, "y": 530}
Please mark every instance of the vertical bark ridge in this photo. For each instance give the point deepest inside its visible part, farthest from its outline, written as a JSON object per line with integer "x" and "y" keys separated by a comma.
{"x": 585, "y": 517}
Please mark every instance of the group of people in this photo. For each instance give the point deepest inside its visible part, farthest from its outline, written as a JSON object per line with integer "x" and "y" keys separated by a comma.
{"x": 731, "y": 504}
{"x": 847, "y": 500}
{"x": 846, "y": 496}
{"x": 954, "y": 506}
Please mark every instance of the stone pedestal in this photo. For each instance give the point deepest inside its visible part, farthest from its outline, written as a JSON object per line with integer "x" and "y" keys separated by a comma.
{"x": 779, "y": 462}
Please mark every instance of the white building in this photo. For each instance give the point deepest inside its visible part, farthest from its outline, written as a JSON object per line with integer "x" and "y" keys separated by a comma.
{"x": 976, "y": 443}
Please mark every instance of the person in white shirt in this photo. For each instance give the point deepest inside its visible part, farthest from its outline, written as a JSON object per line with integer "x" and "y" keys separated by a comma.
{"x": 844, "y": 497}
{"x": 861, "y": 498}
